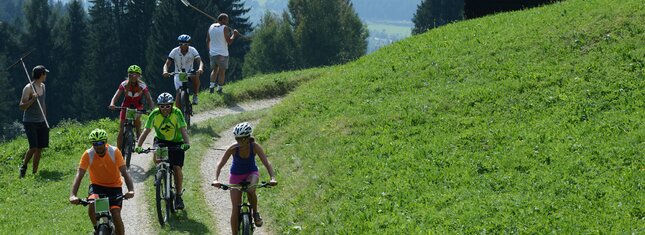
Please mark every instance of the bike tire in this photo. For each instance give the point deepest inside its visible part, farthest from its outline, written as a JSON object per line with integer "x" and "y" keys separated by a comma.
{"x": 185, "y": 109}
{"x": 245, "y": 225}
{"x": 171, "y": 198}
{"x": 161, "y": 202}
{"x": 127, "y": 147}
{"x": 104, "y": 229}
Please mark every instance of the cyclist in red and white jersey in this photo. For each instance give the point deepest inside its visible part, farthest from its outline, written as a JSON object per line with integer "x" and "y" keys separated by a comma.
{"x": 134, "y": 90}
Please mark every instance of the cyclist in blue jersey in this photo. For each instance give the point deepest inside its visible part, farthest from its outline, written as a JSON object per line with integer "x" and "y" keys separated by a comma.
{"x": 244, "y": 169}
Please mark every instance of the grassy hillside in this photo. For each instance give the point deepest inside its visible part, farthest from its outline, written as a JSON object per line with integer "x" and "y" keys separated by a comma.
{"x": 523, "y": 122}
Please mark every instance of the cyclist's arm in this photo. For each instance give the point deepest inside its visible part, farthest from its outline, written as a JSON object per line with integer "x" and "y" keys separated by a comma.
{"x": 222, "y": 162}
{"x": 77, "y": 182}
{"x": 184, "y": 134}
{"x": 263, "y": 157}
{"x": 166, "y": 66}
{"x": 201, "y": 65}
{"x": 128, "y": 180}
{"x": 151, "y": 104}
{"x": 143, "y": 136}
{"x": 116, "y": 96}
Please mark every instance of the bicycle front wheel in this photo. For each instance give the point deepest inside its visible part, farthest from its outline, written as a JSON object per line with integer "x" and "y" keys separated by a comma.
{"x": 162, "y": 203}
{"x": 128, "y": 147}
{"x": 245, "y": 224}
{"x": 104, "y": 229}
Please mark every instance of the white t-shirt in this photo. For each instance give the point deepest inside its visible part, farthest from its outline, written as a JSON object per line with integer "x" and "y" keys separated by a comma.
{"x": 218, "y": 44}
{"x": 182, "y": 61}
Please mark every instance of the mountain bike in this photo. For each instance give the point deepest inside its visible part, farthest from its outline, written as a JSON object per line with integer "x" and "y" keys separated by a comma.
{"x": 184, "y": 95}
{"x": 104, "y": 224}
{"x": 247, "y": 225}
{"x": 129, "y": 133}
{"x": 164, "y": 190}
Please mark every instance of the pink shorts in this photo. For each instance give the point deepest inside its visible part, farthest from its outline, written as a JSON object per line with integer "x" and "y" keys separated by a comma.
{"x": 236, "y": 179}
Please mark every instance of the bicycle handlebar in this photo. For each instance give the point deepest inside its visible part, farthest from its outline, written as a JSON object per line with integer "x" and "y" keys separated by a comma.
{"x": 87, "y": 201}
{"x": 143, "y": 111}
{"x": 244, "y": 187}
{"x": 151, "y": 149}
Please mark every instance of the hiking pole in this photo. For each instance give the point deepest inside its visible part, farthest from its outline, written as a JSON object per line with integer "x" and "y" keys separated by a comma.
{"x": 32, "y": 86}
{"x": 185, "y": 2}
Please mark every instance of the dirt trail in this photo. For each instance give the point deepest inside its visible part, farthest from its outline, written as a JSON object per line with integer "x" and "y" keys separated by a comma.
{"x": 138, "y": 220}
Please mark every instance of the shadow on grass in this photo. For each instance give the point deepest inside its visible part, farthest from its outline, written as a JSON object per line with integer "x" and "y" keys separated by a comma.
{"x": 49, "y": 175}
{"x": 202, "y": 128}
{"x": 180, "y": 222}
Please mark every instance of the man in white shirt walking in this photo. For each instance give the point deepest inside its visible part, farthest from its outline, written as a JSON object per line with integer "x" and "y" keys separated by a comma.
{"x": 218, "y": 38}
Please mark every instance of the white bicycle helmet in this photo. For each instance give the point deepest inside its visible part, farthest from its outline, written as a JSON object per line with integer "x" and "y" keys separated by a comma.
{"x": 165, "y": 98}
{"x": 242, "y": 130}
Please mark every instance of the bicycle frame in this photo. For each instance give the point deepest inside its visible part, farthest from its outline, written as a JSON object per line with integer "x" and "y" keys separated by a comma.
{"x": 102, "y": 211}
{"x": 128, "y": 140}
{"x": 184, "y": 95}
{"x": 245, "y": 206}
{"x": 164, "y": 177}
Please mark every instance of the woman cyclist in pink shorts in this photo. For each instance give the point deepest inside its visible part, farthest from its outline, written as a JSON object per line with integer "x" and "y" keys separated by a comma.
{"x": 134, "y": 90}
{"x": 244, "y": 169}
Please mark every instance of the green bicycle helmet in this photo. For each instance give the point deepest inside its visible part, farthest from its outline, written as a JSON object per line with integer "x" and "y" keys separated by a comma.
{"x": 98, "y": 135}
{"x": 134, "y": 69}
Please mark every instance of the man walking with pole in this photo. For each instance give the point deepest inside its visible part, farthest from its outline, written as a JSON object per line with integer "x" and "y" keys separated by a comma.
{"x": 217, "y": 40}
{"x": 34, "y": 118}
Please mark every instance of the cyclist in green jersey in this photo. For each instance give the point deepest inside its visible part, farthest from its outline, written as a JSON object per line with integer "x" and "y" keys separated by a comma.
{"x": 170, "y": 131}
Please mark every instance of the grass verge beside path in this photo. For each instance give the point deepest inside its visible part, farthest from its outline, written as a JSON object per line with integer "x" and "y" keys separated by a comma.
{"x": 197, "y": 218}
{"x": 257, "y": 87}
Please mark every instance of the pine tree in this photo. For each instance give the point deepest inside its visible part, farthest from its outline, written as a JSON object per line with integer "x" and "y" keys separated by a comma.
{"x": 70, "y": 50}
{"x": 434, "y": 13}
{"x": 273, "y": 46}
{"x": 327, "y": 32}
{"x": 38, "y": 35}
{"x": 103, "y": 61}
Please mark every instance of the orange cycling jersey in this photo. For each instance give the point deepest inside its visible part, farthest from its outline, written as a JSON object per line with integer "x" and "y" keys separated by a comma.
{"x": 103, "y": 171}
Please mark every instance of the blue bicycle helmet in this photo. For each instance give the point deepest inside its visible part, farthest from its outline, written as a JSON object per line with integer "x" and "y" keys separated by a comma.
{"x": 184, "y": 38}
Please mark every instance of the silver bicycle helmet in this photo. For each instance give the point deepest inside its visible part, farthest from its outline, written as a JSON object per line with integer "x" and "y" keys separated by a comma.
{"x": 242, "y": 130}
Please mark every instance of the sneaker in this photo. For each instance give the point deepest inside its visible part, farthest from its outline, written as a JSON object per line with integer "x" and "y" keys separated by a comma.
{"x": 179, "y": 203}
{"x": 195, "y": 99}
{"x": 23, "y": 171}
{"x": 212, "y": 89}
{"x": 219, "y": 89}
{"x": 257, "y": 219}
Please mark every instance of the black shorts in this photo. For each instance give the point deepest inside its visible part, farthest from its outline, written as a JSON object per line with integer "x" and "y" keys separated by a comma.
{"x": 37, "y": 134}
{"x": 107, "y": 192}
{"x": 175, "y": 154}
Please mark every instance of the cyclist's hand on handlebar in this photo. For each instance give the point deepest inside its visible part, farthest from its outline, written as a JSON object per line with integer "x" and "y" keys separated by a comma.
{"x": 112, "y": 107}
{"x": 216, "y": 184}
{"x": 273, "y": 182}
{"x": 199, "y": 72}
{"x": 74, "y": 200}
{"x": 185, "y": 147}
{"x": 166, "y": 74}
{"x": 129, "y": 194}
{"x": 138, "y": 149}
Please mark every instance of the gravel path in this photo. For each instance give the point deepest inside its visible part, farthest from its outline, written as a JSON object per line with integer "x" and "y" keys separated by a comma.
{"x": 137, "y": 219}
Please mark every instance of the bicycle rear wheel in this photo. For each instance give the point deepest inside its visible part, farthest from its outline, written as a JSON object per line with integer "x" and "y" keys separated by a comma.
{"x": 160, "y": 192}
{"x": 185, "y": 106}
{"x": 245, "y": 225}
{"x": 128, "y": 146}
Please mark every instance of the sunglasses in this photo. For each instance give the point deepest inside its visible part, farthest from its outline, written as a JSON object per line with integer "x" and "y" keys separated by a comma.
{"x": 98, "y": 143}
{"x": 165, "y": 106}
{"x": 184, "y": 44}
{"x": 134, "y": 74}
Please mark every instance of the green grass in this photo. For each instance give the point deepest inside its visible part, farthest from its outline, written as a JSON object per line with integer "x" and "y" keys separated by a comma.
{"x": 523, "y": 122}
